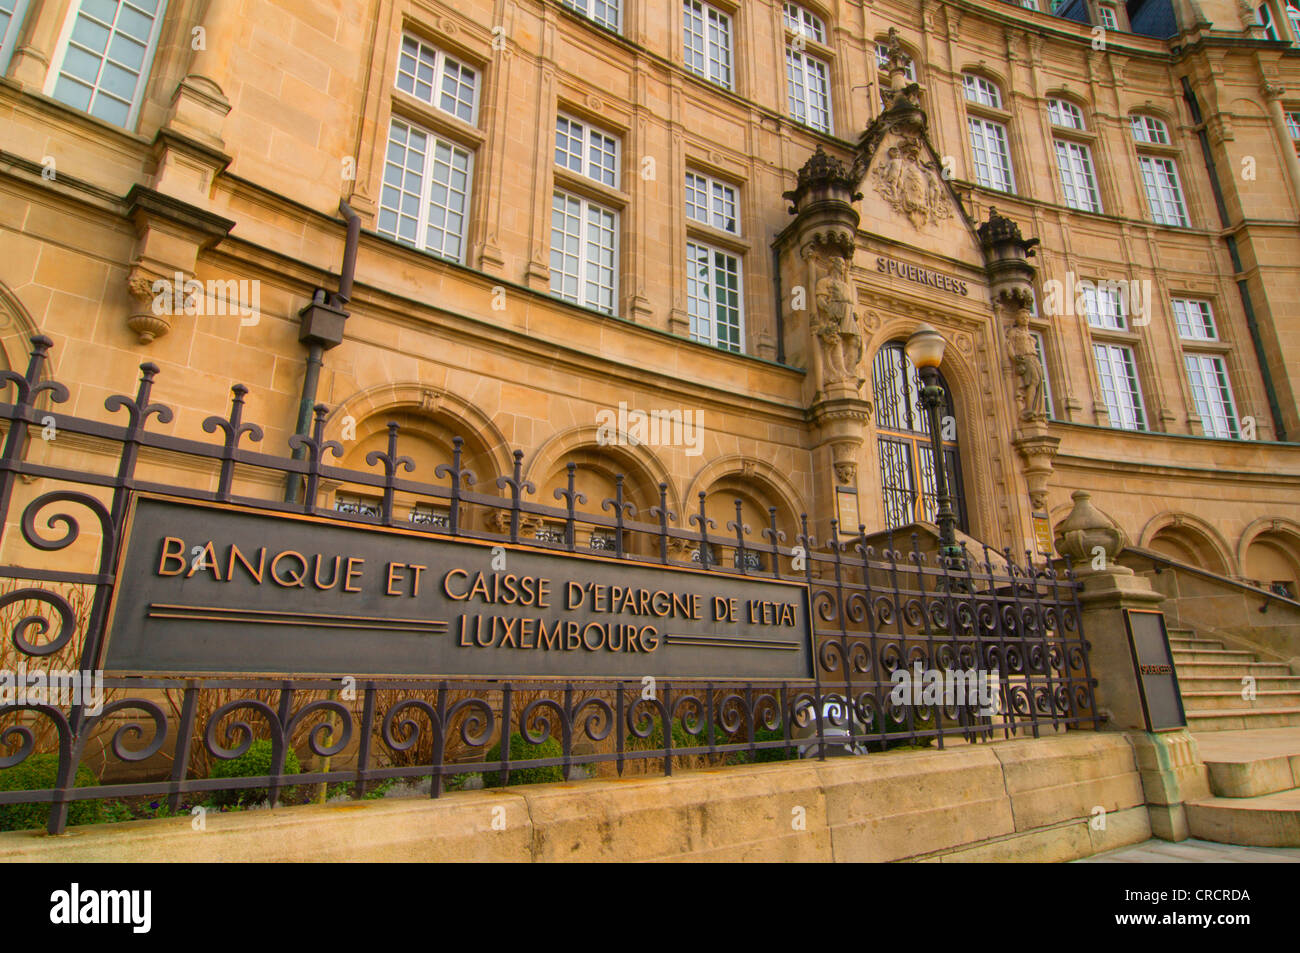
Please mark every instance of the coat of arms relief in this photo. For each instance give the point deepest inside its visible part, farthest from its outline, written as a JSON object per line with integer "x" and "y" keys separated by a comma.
{"x": 911, "y": 182}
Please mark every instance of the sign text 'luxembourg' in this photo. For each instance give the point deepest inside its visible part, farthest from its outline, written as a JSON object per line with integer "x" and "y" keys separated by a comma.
{"x": 211, "y": 589}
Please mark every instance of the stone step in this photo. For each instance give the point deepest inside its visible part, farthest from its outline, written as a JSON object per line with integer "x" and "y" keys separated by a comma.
{"x": 1214, "y": 655}
{"x": 1180, "y": 631}
{"x": 1244, "y": 764}
{"x": 1240, "y": 719}
{"x": 1270, "y": 820}
{"x": 1217, "y": 701}
{"x": 1187, "y": 645}
{"x": 1229, "y": 669}
{"x": 1228, "y": 683}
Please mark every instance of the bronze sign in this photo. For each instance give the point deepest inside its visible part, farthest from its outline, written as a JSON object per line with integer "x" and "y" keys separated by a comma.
{"x": 1162, "y": 702}
{"x": 204, "y": 589}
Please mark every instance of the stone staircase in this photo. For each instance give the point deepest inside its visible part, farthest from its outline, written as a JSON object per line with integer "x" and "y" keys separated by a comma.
{"x": 1211, "y": 679}
{"x": 1250, "y": 746}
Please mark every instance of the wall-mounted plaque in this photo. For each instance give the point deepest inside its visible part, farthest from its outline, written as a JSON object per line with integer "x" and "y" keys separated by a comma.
{"x": 212, "y": 589}
{"x": 1043, "y": 533}
{"x": 846, "y": 510}
{"x": 1162, "y": 702}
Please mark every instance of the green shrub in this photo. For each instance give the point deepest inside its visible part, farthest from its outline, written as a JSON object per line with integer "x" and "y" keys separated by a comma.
{"x": 681, "y": 738}
{"x": 520, "y": 750}
{"x": 252, "y": 763}
{"x": 38, "y": 772}
{"x": 375, "y": 790}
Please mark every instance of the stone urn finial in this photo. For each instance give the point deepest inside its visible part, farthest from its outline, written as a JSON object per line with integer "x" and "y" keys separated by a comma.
{"x": 1086, "y": 530}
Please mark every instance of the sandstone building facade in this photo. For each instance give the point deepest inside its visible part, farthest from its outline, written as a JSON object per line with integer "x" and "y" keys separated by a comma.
{"x": 579, "y": 212}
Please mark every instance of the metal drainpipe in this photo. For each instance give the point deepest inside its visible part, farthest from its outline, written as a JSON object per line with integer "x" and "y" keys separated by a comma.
{"x": 322, "y": 329}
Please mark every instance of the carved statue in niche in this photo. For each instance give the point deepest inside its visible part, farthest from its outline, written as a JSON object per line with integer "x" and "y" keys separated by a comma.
{"x": 1024, "y": 358}
{"x": 835, "y": 324}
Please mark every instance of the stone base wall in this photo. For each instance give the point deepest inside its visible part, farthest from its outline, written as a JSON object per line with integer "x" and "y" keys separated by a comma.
{"x": 1033, "y": 800}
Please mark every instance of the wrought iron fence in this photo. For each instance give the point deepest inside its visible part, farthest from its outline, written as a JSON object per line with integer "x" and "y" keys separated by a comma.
{"x": 874, "y": 614}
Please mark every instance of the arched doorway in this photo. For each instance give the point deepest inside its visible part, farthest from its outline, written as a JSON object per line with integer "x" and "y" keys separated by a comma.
{"x": 903, "y": 443}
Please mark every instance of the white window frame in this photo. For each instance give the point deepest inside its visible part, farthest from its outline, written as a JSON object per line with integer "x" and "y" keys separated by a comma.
{"x": 1066, "y": 114}
{"x": 1124, "y": 407}
{"x": 719, "y": 197}
{"x": 1207, "y": 377}
{"x": 142, "y": 78}
{"x": 1041, "y": 347}
{"x": 584, "y": 296}
{"x": 981, "y": 91}
{"x": 710, "y": 44}
{"x": 595, "y": 143}
{"x": 805, "y": 23}
{"x": 1030, "y": 5}
{"x": 1164, "y": 191}
{"x": 1194, "y": 318}
{"x": 988, "y": 142}
{"x": 599, "y": 12}
{"x": 1149, "y": 129}
{"x": 1293, "y": 14}
{"x": 805, "y": 75}
{"x": 704, "y": 327}
{"x": 426, "y": 186}
{"x": 9, "y": 35}
{"x": 1104, "y": 305}
{"x": 1108, "y": 18}
{"x": 443, "y": 67}
{"x": 1077, "y": 174}
{"x": 1264, "y": 17}
{"x": 1293, "y": 125}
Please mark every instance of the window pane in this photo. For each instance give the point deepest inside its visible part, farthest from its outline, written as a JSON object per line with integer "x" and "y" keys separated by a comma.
{"x": 1117, "y": 375}
{"x": 1194, "y": 319}
{"x": 1212, "y": 396}
{"x": 105, "y": 58}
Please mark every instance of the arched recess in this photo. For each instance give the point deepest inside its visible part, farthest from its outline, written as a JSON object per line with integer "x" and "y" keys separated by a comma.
{"x": 596, "y": 472}
{"x": 16, "y": 330}
{"x": 758, "y": 486}
{"x": 428, "y": 421}
{"x": 1269, "y": 553}
{"x": 972, "y": 430}
{"x": 1188, "y": 539}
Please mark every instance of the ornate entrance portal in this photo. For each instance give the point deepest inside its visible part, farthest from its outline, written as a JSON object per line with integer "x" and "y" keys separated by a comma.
{"x": 903, "y": 443}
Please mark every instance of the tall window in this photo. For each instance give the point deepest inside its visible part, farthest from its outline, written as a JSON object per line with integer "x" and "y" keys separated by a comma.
{"x": 1212, "y": 395}
{"x": 988, "y": 137}
{"x": 584, "y": 252}
{"x": 706, "y": 37}
{"x": 586, "y": 150}
{"x": 1264, "y": 17}
{"x": 1074, "y": 159}
{"x": 903, "y": 444}
{"x": 1105, "y": 306}
{"x": 1164, "y": 193}
{"x": 605, "y": 12}
{"x": 808, "y": 84}
{"x": 711, "y": 202}
{"x": 1108, "y": 18}
{"x": 1159, "y": 174}
{"x": 1029, "y": 4}
{"x": 425, "y": 191}
{"x": 882, "y": 62}
{"x": 105, "y": 52}
{"x": 1206, "y": 373}
{"x": 713, "y": 296}
{"x": 11, "y": 20}
{"x": 1293, "y": 126}
{"x": 1293, "y": 14}
{"x": 432, "y": 76}
{"x": 1117, "y": 373}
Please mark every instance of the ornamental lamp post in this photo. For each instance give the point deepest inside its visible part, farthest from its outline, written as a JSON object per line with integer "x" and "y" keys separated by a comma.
{"x": 925, "y": 350}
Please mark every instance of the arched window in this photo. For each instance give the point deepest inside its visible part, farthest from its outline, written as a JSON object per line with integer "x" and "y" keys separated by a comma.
{"x": 903, "y": 443}
{"x": 808, "y": 83}
{"x": 988, "y": 134}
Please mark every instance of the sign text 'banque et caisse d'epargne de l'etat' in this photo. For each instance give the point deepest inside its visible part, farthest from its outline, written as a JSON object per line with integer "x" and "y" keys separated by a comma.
{"x": 205, "y": 589}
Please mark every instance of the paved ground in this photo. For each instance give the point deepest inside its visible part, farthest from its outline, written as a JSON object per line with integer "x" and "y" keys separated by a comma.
{"x": 1195, "y": 852}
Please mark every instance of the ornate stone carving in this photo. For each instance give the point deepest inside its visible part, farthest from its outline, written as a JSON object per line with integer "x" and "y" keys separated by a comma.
{"x": 1024, "y": 357}
{"x": 1085, "y": 530}
{"x": 909, "y": 180}
{"x": 835, "y": 324}
{"x": 822, "y": 172}
{"x": 846, "y": 472}
{"x": 147, "y": 319}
